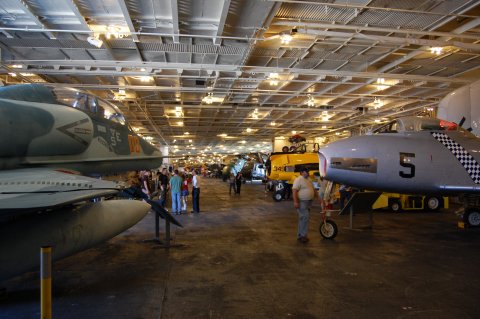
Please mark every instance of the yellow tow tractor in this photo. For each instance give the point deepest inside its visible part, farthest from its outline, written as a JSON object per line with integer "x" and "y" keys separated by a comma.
{"x": 398, "y": 202}
{"x": 284, "y": 167}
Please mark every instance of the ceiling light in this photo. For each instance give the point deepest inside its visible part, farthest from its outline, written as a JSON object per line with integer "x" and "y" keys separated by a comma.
{"x": 285, "y": 38}
{"x": 436, "y": 50}
{"x": 222, "y": 135}
{"x": 95, "y": 41}
{"x": 377, "y": 103}
{"x": 16, "y": 66}
{"x": 294, "y": 132}
{"x": 186, "y": 133}
{"x": 381, "y": 81}
{"x": 249, "y": 130}
{"x": 273, "y": 79}
{"x": 12, "y": 74}
{"x": 208, "y": 99}
{"x": 145, "y": 78}
{"x": 273, "y": 123}
{"x": 189, "y": 141}
{"x": 180, "y": 123}
{"x": 311, "y": 101}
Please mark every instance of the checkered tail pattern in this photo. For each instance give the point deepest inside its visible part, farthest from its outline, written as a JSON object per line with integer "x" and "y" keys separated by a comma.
{"x": 468, "y": 162}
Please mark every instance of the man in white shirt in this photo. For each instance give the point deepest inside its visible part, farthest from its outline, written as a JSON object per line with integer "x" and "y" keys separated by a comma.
{"x": 196, "y": 192}
{"x": 303, "y": 194}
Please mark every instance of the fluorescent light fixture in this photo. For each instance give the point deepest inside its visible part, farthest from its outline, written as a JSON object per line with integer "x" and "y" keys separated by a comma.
{"x": 436, "y": 50}
{"x": 311, "y": 101}
{"x": 285, "y": 38}
{"x": 95, "y": 42}
{"x": 208, "y": 99}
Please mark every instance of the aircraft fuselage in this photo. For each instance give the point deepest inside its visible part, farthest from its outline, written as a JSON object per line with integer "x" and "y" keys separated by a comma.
{"x": 428, "y": 162}
{"x": 51, "y": 134}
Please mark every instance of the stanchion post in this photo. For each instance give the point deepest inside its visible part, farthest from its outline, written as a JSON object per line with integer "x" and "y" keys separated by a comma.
{"x": 46, "y": 282}
{"x": 157, "y": 225}
{"x": 351, "y": 216}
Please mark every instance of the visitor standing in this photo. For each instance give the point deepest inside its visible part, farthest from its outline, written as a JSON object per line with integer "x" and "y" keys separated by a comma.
{"x": 303, "y": 194}
{"x": 175, "y": 189}
{"x": 196, "y": 182}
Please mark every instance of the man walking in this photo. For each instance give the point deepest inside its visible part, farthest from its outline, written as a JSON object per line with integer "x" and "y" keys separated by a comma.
{"x": 303, "y": 194}
{"x": 195, "y": 192}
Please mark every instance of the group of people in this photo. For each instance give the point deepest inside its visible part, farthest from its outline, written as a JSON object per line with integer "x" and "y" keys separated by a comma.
{"x": 235, "y": 183}
{"x": 178, "y": 186}
{"x": 146, "y": 185}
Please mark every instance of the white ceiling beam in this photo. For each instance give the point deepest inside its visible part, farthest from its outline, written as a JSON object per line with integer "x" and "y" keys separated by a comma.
{"x": 128, "y": 20}
{"x": 35, "y": 19}
{"x": 391, "y": 39}
{"x": 8, "y": 35}
{"x": 356, "y": 28}
{"x": 233, "y": 68}
{"x": 221, "y": 23}
{"x": 352, "y": 7}
{"x": 73, "y": 6}
{"x": 175, "y": 26}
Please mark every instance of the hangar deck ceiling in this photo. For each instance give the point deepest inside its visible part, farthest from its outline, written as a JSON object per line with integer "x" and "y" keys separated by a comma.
{"x": 248, "y": 69}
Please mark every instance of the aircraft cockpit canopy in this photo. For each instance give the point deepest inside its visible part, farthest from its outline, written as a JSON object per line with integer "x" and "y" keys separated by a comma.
{"x": 89, "y": 103}
{"x": 417, "y": 124}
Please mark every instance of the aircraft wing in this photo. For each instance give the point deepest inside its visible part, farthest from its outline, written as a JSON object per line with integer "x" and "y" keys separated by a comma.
{"x": 41, "y": 188}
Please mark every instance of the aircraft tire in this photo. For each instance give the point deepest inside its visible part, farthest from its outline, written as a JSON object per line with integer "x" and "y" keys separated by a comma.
{"x": 395, "y": 206}
{"x": 472, "y": 217}
{"x": 278, "y": 196}
{"x": 432, "y": 203}
{"x": 328, "y": 229}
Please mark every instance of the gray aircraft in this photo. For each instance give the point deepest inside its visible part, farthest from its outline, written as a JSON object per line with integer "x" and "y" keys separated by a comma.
{"x": 48, "y": 137}
{"x": 410, "y": 155}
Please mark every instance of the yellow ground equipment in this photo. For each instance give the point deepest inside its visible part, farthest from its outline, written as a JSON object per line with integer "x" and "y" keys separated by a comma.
{"x": 284, "y": 167}
{"x": 397, "y": 202}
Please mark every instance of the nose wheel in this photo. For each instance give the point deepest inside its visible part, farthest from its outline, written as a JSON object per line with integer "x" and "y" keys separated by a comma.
{"x": 328, "y": 229}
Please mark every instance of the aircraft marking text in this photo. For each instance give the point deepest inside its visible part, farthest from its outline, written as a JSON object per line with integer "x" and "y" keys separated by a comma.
{"x": 404, "y": 163}
{"x": 134, "y": 144}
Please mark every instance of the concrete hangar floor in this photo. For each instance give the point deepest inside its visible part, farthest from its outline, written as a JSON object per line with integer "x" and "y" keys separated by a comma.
{"x": 240, "y": 259}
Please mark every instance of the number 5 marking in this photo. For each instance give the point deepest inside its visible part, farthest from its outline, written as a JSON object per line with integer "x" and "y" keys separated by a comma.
{"x": 403, "y": 160}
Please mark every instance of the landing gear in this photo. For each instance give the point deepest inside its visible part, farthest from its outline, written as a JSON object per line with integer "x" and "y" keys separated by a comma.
{"x": 472, "y": 217}
{"x": 278, "y": 196}
{"x": 432, "y": 203}
{"x": 282, "y": 191}
{"x": 395, "y": 206}
{"x": 471, "y": 210}
{"x": 328, "y": 229}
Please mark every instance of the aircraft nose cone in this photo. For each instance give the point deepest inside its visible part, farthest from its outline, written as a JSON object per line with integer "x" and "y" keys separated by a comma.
{"x": 127, "y": 212}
